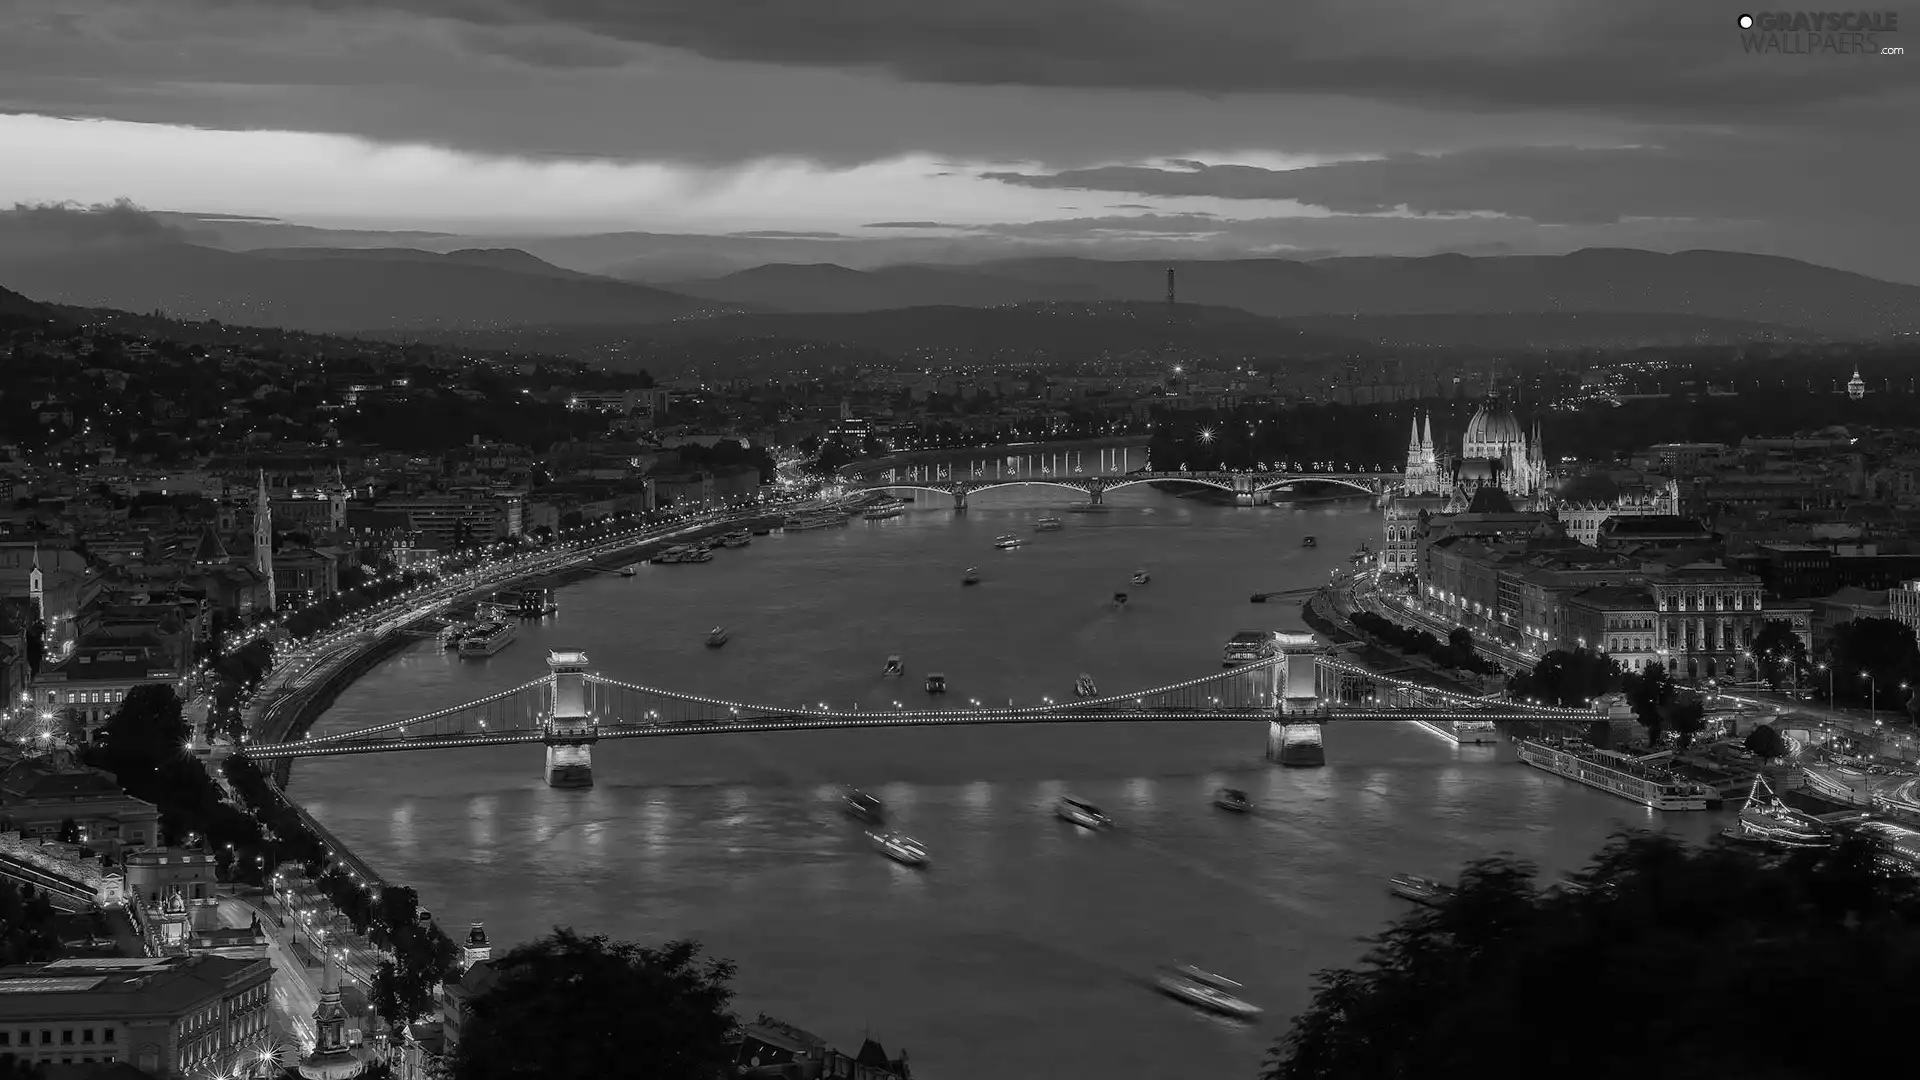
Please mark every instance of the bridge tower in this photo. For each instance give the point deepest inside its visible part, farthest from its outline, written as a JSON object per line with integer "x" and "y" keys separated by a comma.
{"x": 570, "y": 729}
{"x": 1294, "y": 733}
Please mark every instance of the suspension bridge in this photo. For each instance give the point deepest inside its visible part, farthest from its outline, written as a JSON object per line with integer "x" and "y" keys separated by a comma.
{"x": 571, "y": 708}
{"x": 1111, "y": 471}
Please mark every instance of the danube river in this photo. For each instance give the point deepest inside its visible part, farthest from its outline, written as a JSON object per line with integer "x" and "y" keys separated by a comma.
{"x": 1026, "y": 949}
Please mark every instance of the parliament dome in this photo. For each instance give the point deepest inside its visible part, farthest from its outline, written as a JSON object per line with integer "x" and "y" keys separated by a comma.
{"x": 1493, "y": 427}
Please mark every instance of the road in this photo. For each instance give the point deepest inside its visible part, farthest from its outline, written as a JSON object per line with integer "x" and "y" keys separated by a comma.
{"x": 295, "y": 994}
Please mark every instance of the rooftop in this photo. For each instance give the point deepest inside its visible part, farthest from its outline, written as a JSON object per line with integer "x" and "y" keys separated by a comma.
{"x": 122, "y": 986}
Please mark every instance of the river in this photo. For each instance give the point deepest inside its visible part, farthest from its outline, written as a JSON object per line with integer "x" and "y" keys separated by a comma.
{"x": 1026, "y": 949}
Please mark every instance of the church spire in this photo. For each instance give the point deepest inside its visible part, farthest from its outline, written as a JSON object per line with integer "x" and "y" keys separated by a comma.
{"x": 263, "y": 539}
{"x": 1426, "y": 440}
{"x": 1413, "y": 439}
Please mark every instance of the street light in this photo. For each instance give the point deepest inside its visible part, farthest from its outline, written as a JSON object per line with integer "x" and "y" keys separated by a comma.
{"x": 1873, "y": 697}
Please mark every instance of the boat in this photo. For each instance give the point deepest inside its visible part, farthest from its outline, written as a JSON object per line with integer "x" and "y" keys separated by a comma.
{"x": 488, "y": 638}
{"x": 894, "y": 668}
{"x": 454, "y": 631}
{"x": 737, "y": 538}
{"x": 1247, "y": 647}
{"x": 698, "y": 553}
{"x": 761, "y": 530}
{"x": 1418, "y": 889}
{"x": 1083, "y": 686}
{"x": 1084, "y": 814}
{"x": 884, "y": 511}
{"x": 1463, "y": 732}
{"x": 494, "y": 610}
{"x": 1639, "y": 779}
{"x": 1208, "y": 991}
{"x": 1765, "y": 820}
{"x": 814, "y": 520}
{"x": 899, "y": 847}
{"x": 1362, "y": 554}
{"x": 936, "y": 683}
{"x": 1233, "y": 800}
{"x": 861, "y": 805}
{"x": 1141, "y": 577}
{"x": 972, "y": 577}
{"x": 1119, "y": 599}
{"x": 1008, "y": 542}
{"x": 1048, "y": 524}
{"x": 1309, "y": 542}
{"x": 717, "y": 637}
{"x": 675, "y": 554}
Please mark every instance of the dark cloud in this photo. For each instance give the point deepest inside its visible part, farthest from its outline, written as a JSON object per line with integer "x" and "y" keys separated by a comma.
{"x": 910, "y": 225}
{"x": 1696, "y": 177}
{"x": 30, "y": 229}
{"x": 1585, "y": 54}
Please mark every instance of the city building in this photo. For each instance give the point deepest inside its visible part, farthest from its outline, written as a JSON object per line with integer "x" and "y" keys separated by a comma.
{"x": 450, "y": 520}
{"x": 173, "y": 1017}
{"x": 1708, "y": 616}
{"x": 1903, "y": 603}
{"x": 40, "y": 795}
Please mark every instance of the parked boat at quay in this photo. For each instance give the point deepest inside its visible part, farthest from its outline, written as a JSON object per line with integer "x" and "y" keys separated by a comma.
{"x": 1766, "y": 820}
{"x": 737, "y": 538}
{"x": 487, "y": 639}
{"x": 1248, "y": 646}
{"x": 1642, "y": 780}
{"x": 1464, "y": 732}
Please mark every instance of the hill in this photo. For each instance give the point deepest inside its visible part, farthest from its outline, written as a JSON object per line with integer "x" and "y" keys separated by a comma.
{"x": 319, "y": 289}
{"x": 1550, "y": 331}
{"x": 826, "y": 287}
{"x": 17, "y": 310}
{"x": 1710, "y": 285}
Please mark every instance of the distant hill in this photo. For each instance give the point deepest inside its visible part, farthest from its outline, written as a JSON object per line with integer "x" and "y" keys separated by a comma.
{"x": 1550, "y": 330}
{"x": 825, "y": 287}
{"x": 1710, "y": 285}
{"x": 331, "y": 290}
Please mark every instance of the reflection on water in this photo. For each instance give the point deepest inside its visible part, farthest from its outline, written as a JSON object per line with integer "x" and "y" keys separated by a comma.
{"x": 740, "y": 842}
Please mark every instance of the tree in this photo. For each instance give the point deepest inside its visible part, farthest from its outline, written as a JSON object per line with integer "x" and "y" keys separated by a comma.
{"x": 1671, "y": 930}
{"x": 1460, "y": 639}
{"x": 1569, "y": 679}
{"x": 1882, "y": 648}
{"x": 148, "y": 730}
{"x": 1647, "y": 692}
{"x": 1778, "y": 651}
{"x": 1766, "y": 742}
{"x": 572, "y": 1006}
{"x": 1685, "y": 717}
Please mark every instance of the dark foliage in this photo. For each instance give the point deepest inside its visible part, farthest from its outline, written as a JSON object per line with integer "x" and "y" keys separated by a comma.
{"x": 1569, "y": 679}
{"x": 1766, "y": 742}
{"x": 1688, "y": 942}
{"x": 1456, "y": 652}
{"x": 572, "y": 1006}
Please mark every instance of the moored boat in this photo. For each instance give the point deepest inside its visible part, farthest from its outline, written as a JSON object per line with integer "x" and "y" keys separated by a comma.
{"x": 628, "y": 571}
{"x": 899, "y": 847}
{"x": 1644, "y": 780}
{"x": 1208, "y": 991}
{"x": 1084, "y": 687}
{"x": 1248, "y": 646}
{"x": 488, "y": 638}
{"x": 861, "y": 805}
{"x": 1420, "y": 890}
{"x": 1232, "y": 800}
{"x": 936, "y": 683}
{"x": 737, "y": 538}
{"x": 1079, "y": 812}
{"x": 883, "y": 511}
{"x": 717, "y": 637}
{"x": 1766, "y": 820}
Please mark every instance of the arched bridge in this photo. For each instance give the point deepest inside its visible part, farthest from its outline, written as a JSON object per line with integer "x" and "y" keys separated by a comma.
{"x": 1248, "y": 485}
{"x": 570, "y": 709}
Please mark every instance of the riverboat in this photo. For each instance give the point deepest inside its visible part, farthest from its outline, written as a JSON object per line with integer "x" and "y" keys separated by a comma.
{"x": 628, "y": 571}
{"x": 1119, "y": 599}
{"x": 813, "y": 520}
{"x": 1049, "y": 524}
{"x": 1141, "y": 577}
{"x": 1232, "y": 800}
{"x": 675, "y": 554}
{"x": 738, "y": 538}
{"x": 1420, "y": 890}
{"x": 698, "y": 553}
{"x": 1205, "y": 990}
{"x": 450, "y": 637}
{"x": 936, "y": 683}
{"x": 1084, "y": 814}
{"x": 1765, "y": 820}
{"x": 899, "y": 847}
{"x": 895, "y": 668}
{"x": 1083, "y": 686}
{"x": 1643, "y": 782}
{"x": 1247, "y": 647}
{"x": 972, "y": 577}
{"x": 885, "y": 510}
{"x": 861, "y": 805}
{"x": 761, "y": 530}
{"x": 1308, "y": 541}
{"x": 717, "y": 637}
{"x": 487, "y": 639}
{"x": 1008, "y": 542}
{"x": 1463, "y": 732}
{"x": 1361, "y": 555}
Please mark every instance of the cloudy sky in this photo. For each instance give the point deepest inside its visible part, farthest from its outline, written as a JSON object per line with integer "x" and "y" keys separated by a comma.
{"x": 1207, "y": 126}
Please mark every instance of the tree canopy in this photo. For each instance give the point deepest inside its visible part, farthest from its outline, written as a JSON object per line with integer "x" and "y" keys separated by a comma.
{"x": 573, "y": 1006}
{"x": 1678, "y": 962}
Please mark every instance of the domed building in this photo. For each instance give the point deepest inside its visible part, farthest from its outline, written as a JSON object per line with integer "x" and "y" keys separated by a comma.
{"x": 1497, "y": 451}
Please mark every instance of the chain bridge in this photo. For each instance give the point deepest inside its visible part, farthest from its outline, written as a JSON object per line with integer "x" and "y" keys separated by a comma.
{"x": 570, "y": 709}
{"x": 1110, "y": 472}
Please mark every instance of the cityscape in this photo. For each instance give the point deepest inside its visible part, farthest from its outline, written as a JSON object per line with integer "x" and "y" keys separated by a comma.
{"x": 899, "y": 545}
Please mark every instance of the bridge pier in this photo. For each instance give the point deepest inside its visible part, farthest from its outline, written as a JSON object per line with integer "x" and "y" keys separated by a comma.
{"x": 571, "y": 730}
{"x": 1095, "y": 494}
{"x": 1296, "y": 742}
{"x": 959, "y": 497}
